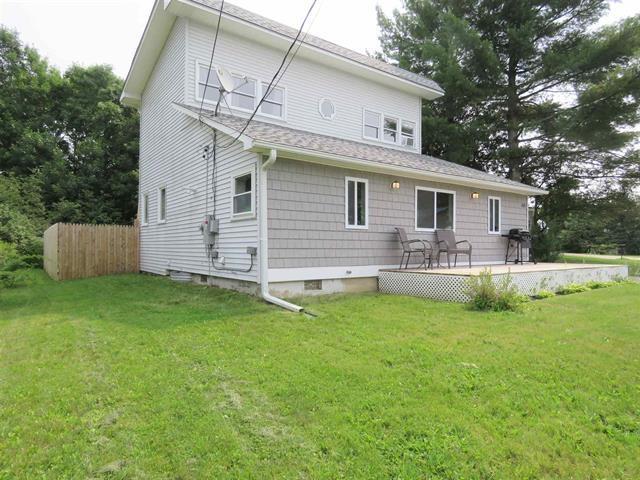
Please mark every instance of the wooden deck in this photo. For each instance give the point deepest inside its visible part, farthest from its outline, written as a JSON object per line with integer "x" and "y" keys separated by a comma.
{"x": 451, "y": 283}
{"x": 501, "y": 269}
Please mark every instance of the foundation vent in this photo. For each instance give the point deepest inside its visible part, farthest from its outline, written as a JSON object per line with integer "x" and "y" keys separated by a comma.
{"x": 313, "y": 284}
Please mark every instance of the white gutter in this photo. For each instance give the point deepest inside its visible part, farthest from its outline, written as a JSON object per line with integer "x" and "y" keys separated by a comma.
{"x": 344, "y": 161}
{"x": 264, "y": 245}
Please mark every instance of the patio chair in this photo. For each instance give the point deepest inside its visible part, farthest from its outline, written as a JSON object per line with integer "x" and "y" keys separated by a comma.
{"x": 422, "y": 247}
{"x": 447, "y": 244}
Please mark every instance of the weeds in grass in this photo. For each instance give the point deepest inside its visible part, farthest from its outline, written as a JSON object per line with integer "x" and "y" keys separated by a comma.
{"x": 544, "y": 294}
{"x": 487, "y": 294}
{"x": 572, "y": 288}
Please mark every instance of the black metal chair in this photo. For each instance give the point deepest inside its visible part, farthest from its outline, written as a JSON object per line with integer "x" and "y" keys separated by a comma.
{"x": 422, "y": 247}
{"x": 447, "y": 244}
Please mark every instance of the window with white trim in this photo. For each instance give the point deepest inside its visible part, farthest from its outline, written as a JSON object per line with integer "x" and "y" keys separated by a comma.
{"x": 372, "y": 124}
{"x": 162, "y": 204}
{"x": 145, "y": 209}
{"x": 390, "y": 129}
{"x": 356, "y": 202}
{"x": 244, "y": 93}
{"x": 209, "y": 79}
{"x": 407, "y": 133}
{"x": 435, "y": 209}
{"x": 242, "y": 194}
{"x": 273, "y": 104}
{"x": 494, "y": 214}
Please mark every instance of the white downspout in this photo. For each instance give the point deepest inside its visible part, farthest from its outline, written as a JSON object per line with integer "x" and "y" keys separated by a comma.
{"x": 264, "y": 244}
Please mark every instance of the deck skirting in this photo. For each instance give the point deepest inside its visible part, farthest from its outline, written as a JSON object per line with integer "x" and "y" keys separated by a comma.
{"x": 452, "y": 287}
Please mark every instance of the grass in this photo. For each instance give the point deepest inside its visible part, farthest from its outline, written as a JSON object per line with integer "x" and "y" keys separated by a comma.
{"x": 137, "y": 377}
{"x": 632, "y": 261}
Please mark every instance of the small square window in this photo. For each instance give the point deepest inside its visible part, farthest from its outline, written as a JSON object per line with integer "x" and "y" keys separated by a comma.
{"x": 242, "y": 192}
{"x": 313, "y": 284}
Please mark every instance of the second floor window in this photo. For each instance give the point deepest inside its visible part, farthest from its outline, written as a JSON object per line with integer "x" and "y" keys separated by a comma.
{"x": 245, "y": 96}
{"x": 273, "y": 104}
{"x": 208, "y": 85}
{"x": 388, "y": 129}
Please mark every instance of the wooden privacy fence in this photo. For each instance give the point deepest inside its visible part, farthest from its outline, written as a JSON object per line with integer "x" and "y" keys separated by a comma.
{"x": 80, "y": 251}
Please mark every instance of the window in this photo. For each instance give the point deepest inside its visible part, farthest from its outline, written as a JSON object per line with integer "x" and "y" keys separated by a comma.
{"x": 407, "y": 133}
{"x": 435, "y": 209}
{"x": 327, "y": 109}
{"x": 494, "y": 215}
{"x": 145, "y": 209}
{"x": 390, "y": 130}
{"x": 371, "y": 124}
{"x": 242, "y": 193}
{"x": 273, "y": 104}
{"x": 244, "y": 93}
{"x": 162, "y": 204}
{"x": 356, "y": 203}
{"x": 212, "y": 86}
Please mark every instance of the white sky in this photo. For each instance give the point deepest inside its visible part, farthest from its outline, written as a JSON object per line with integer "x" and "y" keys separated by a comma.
{"x": 107, "y": 31}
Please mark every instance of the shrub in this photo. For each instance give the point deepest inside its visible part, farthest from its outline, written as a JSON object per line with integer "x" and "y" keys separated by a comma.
{"x": 11, "y": 279}
{"x": 572, "y": 288}
{"x": 595, "y": 284}
{"x": 544, "y": 294}
{"x": 485, "y": 294}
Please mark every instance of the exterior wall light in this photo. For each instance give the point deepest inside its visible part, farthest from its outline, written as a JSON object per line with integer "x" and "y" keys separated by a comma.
{"x": 475, "y": 195}
{"x": 395, "y": 185}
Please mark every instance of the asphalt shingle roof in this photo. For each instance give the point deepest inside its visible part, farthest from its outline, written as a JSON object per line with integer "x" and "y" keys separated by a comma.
{"x": 318, "y": 42}
{"x": 324, "y": 144}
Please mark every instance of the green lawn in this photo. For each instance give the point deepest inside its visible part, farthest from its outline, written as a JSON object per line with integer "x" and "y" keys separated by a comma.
{"x": 138, "y": 377}
{"x": 632, "y": 261}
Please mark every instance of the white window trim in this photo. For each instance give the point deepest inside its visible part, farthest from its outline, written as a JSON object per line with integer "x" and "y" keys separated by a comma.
{"x": 284, "y": 101}
{"x": 364, "y": 115}
{"x": 398, "y": 120}
{"x": 257, "y": 97}
{"x": 346, "y": 203}
{"x": 435, "y": 207}
{"x": 402, "y": 122}
{"x": 145, "y": 209}
{"x": 166, "y": 204}
{"x": 380, "y": 137}
{"x": 491, "y": 232}
{"x": 240, "y": 173}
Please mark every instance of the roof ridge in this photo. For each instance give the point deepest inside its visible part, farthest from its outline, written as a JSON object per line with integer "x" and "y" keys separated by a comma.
{"x": 319, "y": 42}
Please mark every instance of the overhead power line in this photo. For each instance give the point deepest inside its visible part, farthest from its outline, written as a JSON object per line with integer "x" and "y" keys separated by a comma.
{"x": 213, "y": 51}
{"x": 275, "y": 80}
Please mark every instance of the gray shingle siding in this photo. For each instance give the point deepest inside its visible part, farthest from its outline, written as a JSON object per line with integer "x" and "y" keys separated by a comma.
{"x": 307, "y": 222}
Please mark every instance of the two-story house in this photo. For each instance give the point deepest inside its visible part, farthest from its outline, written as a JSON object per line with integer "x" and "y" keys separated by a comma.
{"x": 306, "y": 198}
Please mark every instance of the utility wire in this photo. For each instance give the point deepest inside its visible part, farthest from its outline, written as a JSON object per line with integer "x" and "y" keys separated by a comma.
{"x": 273, "y": 83}
{"x": 213, "y": 51}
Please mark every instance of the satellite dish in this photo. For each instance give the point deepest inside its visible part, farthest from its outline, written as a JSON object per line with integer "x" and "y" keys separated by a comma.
{"x": 227, "y": 83}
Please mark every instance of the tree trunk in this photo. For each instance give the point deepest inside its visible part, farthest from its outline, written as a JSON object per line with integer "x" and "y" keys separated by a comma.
{"x": 513, "y": 142}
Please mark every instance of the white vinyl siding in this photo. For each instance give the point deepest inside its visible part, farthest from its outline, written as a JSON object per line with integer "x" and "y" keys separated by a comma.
{"x": 494, "y": 214}
{"x": 356, "y": 202}
{"x": 171, "y": 154}
{"x": 305, "y": 83}
{"x": 435, "y": 209}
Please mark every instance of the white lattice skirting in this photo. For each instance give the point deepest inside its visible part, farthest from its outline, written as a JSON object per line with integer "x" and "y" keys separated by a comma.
{"x": 452, "y": 288}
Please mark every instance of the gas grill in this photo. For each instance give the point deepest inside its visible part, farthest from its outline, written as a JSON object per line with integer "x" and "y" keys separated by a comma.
{"x": 517, "y": 240}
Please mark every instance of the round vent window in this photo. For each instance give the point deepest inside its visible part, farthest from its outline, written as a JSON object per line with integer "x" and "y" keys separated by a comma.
{"x": 327, "y": 109}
